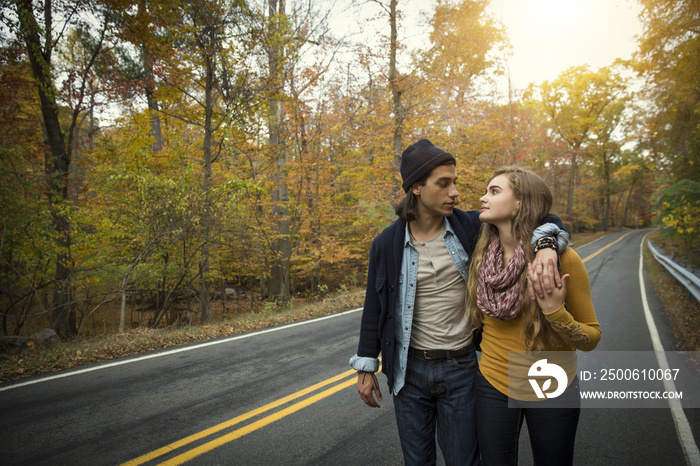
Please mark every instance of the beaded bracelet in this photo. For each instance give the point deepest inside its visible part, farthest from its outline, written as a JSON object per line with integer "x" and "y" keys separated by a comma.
{"x": 546, "y": 242}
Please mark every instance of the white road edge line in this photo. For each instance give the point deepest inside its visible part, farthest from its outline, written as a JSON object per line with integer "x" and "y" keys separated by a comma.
{"x": 685, "y": 433}
{"x": 169, "y": 352}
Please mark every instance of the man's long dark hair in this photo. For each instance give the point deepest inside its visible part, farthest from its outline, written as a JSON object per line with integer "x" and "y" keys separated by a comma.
{"x": 406, "y": 209}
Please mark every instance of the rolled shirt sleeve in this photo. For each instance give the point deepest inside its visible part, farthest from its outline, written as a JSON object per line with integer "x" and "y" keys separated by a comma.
{"x": 551, "y": 229}
{"x": 364, "y": 364}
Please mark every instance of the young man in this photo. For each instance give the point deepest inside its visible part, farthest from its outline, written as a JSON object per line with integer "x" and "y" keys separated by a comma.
{"x": 414, "y": 312}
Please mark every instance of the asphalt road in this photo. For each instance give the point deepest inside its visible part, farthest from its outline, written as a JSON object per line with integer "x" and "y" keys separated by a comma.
{"x": 285, "y": 396}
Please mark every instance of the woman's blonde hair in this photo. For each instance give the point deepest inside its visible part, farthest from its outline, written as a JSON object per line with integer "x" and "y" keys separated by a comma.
{"x": 535, "y": 202}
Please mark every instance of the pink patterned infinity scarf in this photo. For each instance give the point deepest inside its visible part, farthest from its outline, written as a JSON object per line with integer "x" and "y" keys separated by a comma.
{"x": 499, "y": 293}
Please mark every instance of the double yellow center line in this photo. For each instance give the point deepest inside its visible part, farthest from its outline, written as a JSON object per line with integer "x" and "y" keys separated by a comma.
{"x": 605, "y": 247}
{"x": 276, "y": 416}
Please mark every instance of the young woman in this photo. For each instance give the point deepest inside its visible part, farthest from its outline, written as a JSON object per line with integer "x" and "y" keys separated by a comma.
{"x": 499, "y": 303}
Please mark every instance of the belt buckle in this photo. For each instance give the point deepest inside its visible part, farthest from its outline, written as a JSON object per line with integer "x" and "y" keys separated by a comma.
{"x": 436, "y": 354}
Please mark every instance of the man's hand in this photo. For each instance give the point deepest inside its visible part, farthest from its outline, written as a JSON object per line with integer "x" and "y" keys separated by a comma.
{"x": 554, "y": 297}
{"x": 366, "y": 384}
{"x": 541, "y": 279}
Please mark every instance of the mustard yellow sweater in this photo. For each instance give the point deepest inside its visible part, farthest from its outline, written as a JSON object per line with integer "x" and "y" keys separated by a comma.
{"x": 575, "y": 322}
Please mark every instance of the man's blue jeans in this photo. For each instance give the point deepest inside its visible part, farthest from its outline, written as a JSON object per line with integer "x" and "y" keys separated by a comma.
{"x": 438, "y": 393}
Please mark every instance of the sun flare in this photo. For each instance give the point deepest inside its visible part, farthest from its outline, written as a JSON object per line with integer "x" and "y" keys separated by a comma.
{"x": 552, "y": 12}
{"x": 549, "y": 36}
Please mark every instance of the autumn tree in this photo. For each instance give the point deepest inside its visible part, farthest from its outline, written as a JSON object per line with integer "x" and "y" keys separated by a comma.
{"x": 394, "y": 83}
{"x": 43, "y": 28}
{"x": 575, "y": 103}
{"x": 200, "y": 82}
{"x": 145, "y": 39}
{"x": 294, "y": 44}
{"x": 211, "y": 19}
{"x": 25, "y": 226}
{"x": 278, "y": 35}
{"x": 635, "y": 174}
{"x": 464, "y": 44}
{"x": 606, "y": 152}
{"x": 669, "y": 60}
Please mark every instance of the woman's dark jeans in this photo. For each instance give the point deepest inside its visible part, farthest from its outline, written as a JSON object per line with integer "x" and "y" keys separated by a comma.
{"x": 552, "y": 431}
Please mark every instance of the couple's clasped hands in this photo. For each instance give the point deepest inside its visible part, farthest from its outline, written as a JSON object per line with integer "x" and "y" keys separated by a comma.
{"x": 545, "y": 284}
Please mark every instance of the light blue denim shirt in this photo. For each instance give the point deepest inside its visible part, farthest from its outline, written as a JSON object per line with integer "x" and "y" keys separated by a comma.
{"x": 407, "y": 295}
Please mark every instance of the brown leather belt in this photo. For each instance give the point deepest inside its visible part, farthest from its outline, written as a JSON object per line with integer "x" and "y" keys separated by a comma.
{"x": 438, "y": 354}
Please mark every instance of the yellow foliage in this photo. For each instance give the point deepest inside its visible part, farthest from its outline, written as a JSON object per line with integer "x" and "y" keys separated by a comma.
{"x": 684, "y": 219}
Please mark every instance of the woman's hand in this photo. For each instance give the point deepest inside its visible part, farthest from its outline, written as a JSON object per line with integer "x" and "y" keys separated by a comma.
{"x": 541, "y": 274}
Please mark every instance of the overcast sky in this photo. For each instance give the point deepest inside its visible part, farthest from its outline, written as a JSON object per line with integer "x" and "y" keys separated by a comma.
{"x": 549, "y": 36}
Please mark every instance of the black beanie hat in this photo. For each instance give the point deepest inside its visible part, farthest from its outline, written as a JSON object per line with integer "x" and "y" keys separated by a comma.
{"x": 419, "y": 159}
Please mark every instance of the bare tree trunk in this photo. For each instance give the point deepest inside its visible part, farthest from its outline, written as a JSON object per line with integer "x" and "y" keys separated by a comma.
{"x": 153, "y": 107}
{"x": 606, "y": 192}
{"x": 204, "y": 298}
{"x": 395, "y": 90}
{"x": 513, "y": 150}
{"x": 572, "y": 181}
{"x": 281, "y": 244}
{"x": 627, "y": 203}
{"x": 57, "y": 165}
{"x": 153, "y": 111}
